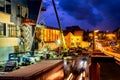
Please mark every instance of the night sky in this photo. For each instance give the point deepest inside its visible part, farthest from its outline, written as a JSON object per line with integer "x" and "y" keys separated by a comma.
{"x": 88, "y": 14}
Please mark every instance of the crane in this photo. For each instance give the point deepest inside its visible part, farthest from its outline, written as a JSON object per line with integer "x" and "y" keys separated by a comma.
{"x": 65, "y": 49}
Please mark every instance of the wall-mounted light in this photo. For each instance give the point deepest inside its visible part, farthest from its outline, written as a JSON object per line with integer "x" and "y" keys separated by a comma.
{"x": 58, "y": 42}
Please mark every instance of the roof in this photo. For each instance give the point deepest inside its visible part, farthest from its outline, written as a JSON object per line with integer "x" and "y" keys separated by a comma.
{"x": 71, "y": 29}
{"x": 52, "y": 27}
{"x": 74, "y": 28}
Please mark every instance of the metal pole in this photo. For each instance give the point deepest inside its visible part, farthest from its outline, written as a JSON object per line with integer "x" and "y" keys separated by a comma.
{"x": 57, "y": 16}
{"x": 36, "y": 24}
{"x": 93, "y": 40}
{"x": 39, "y": 12}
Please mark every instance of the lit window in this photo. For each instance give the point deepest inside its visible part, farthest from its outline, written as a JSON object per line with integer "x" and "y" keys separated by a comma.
{"x": 12, "y": 29}
{"x": 72, "y": 43}
{"x": 77, "y": 43}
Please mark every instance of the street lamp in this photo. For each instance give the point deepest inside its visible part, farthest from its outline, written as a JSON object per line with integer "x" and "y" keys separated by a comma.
{"x": 94, "y": 41}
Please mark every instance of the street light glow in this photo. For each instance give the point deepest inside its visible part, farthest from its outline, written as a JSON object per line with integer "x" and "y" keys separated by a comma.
{"x": 58, "y": 42}
{"x": 96, "y": 30}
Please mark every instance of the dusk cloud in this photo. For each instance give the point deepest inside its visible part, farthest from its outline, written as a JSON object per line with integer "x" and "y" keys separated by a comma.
{"x": 88, "y": 14}
{"x": 81, "y": 10}
{"x": 110, "y": 9}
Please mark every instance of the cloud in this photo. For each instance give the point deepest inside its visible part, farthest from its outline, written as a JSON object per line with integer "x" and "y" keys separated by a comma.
{"x": 46, "y": 3}
{"x": 110, "y": 8}
{"x": 81, "y": 10}
{"x": 89, "y": 14}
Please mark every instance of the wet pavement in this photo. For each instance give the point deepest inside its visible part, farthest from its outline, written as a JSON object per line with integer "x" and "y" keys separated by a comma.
{"x": 77, "y": 68}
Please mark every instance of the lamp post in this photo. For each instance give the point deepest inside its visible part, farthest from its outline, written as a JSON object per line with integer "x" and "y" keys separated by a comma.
{"x": 94, "y": 41}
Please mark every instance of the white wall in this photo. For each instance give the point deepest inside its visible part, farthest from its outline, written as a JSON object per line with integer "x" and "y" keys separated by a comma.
{"x": 4, "y": 51}
{"x": 4, "y": 42}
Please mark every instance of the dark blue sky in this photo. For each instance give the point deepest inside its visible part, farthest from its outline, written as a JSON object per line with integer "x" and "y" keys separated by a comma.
{"x": 88, "y": 14}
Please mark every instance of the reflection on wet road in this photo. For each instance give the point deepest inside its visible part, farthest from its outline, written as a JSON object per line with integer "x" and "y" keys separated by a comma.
{"x": 76, "y": 68}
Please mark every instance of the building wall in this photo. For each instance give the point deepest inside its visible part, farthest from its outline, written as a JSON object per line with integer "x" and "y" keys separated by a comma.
{"x": 68, "y": 39}
{"x": 8, "y": 31}
{"x": 118, "y": 34}
{"x": 78, "y": 33}
{"x": 5, "y": 18}
{"x": 74, "y": 40}
{"x": 19, "y": 10}
{"x": 8, "y": 42}
{"x": 4, "y": 51}
{"x": 48, "y": 37}
{"x": 85, "y": 44}
{"x": 14, "y": 14}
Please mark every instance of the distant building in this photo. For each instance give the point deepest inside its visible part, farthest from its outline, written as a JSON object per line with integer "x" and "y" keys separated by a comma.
{"x": 100, "y": 35}
{"x": 74, "y": 37}
{"x": 110, "y": 36}
{"x": 117, "y": 33}
{"x": 105, "y": 38}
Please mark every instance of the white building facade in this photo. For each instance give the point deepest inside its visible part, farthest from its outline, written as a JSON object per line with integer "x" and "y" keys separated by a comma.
{"x": 12, "y": 12}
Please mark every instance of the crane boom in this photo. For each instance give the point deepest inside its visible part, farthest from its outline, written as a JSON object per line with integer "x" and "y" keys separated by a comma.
{"x": 60, "y": 27}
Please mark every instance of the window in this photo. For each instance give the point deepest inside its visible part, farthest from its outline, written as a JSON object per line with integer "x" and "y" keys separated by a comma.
{"x": 12, "y": 29}
{"x": 5, "y": 6}
{"x": 18, "y": 11}
{"x": 2, "y": 3}
{"x": 77, "y": 43}
{"x": 72, "y": 43}
{"x": 8, "y": 9}
{"x": 8, "y": 6}
{"x": 1, "y": 29}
